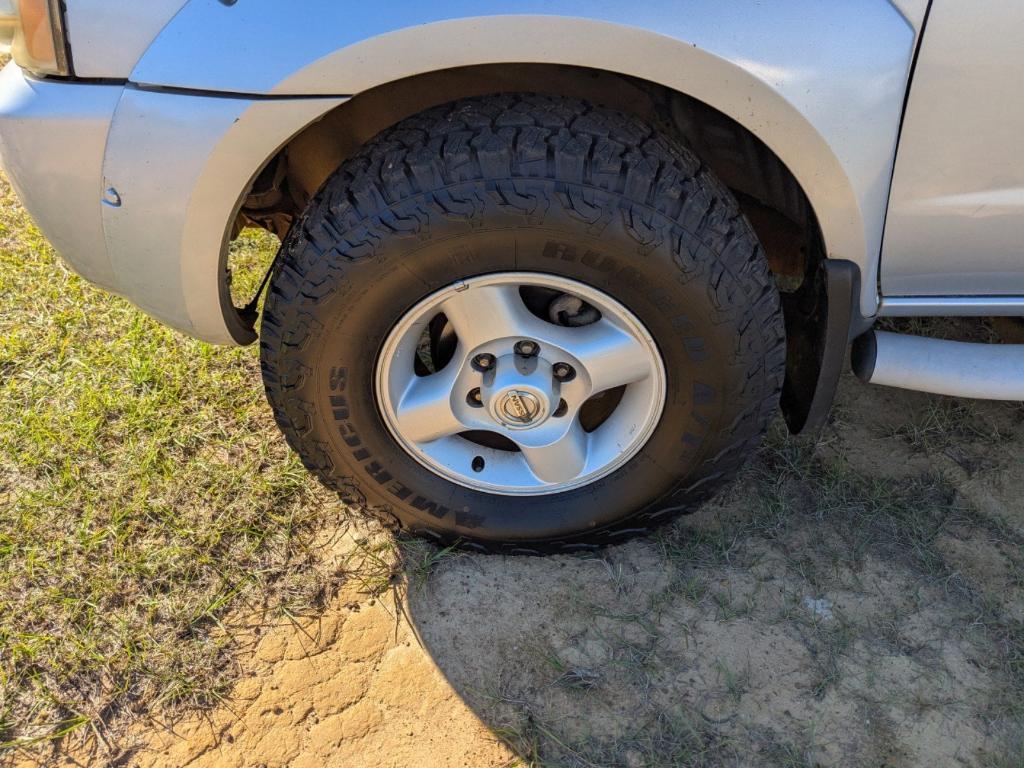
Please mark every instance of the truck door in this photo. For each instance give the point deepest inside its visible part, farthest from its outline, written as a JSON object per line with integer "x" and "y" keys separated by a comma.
{"x": 956, "y": 216}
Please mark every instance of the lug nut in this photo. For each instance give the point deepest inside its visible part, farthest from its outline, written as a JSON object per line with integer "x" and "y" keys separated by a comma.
{"x": 484, "y": 362}
{"x": 474, "y": 398}
{"x": 563, "y": 372}
{"x": 527, "y": 348}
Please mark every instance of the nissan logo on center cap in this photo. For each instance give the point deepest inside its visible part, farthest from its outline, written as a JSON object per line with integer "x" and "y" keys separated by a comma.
{"x": 519, "y": 407}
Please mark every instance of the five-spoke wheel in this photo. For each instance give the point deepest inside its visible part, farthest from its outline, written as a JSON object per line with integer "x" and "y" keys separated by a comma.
{"x": 505, "y": 407}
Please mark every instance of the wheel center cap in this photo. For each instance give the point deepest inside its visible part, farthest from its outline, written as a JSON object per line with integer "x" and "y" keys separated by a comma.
{"x": 519, "y": 407}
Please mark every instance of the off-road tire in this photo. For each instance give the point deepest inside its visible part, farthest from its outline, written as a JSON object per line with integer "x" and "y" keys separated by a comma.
{"x": 609, "y": 201}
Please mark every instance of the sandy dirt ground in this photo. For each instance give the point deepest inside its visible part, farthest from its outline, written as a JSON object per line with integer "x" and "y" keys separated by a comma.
{"x": 857, "y": 601}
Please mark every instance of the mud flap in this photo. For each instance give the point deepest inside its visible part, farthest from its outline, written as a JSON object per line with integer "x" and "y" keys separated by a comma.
{"x": 822, "y": 319}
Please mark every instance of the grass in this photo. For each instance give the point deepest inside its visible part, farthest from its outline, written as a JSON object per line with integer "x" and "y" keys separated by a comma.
{"x": 816, "y": 523}
{"x": 147, "y": 501}
{"x": 956, "y": 429}
{"x": 663, "y": 741}
{"x": 566, "y": 675}
{"x": 145, "y": 495}
{"x": 736, "y": 681}
{"x": 897, "y": 520}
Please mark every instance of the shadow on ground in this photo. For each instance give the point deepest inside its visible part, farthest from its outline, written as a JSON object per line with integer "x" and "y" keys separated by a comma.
{"x": 857, "y": 601}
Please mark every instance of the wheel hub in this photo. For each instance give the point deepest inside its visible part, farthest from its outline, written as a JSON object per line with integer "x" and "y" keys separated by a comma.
{"x": 519, "y": 407}
{"x": 525, "y": 379}
{"x": 518, "y": 391}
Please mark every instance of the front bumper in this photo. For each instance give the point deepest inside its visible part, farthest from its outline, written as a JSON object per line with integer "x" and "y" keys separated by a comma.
{"x": 138, "y": 189}
{"x": 53, "y": 137}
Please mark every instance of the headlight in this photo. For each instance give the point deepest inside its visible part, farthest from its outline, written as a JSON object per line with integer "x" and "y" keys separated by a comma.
{"x": 33, "y": 31}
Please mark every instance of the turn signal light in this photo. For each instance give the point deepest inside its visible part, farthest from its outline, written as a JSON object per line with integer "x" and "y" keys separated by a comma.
{"x": 33, "y": 31}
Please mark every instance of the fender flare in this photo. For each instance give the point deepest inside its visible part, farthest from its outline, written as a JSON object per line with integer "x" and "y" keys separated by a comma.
{"x": 181, "y": 165}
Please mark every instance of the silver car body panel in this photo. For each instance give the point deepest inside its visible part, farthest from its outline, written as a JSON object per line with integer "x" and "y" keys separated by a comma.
{"x": 108, "y": 37}
{"x": 52, "y": 143}
{"x": 956, "y": 216}
{"x": 156, "y": 235}
{"x": 822, "y": 84}
{"x": 181, "y": 165}
{"x": 913, "y": 11}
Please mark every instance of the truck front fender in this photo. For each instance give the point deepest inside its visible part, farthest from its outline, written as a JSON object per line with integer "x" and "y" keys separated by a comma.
{"x": 822, "y": 84}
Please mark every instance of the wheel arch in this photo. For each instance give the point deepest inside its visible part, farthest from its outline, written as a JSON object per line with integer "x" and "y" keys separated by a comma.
{"x": 821, "y": 85}
{"x": 820, "y": 89}
{"x": 769, "y": 194}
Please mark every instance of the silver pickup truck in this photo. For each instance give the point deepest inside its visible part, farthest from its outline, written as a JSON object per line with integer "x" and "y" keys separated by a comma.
{"x": 547, "y": 269}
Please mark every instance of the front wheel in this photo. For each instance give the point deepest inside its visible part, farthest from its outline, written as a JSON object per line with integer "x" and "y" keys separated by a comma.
{"x": 523, "y": 324}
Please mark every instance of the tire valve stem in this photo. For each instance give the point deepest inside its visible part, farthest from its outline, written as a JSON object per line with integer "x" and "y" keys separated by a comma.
{"x": 474, "y": 398}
